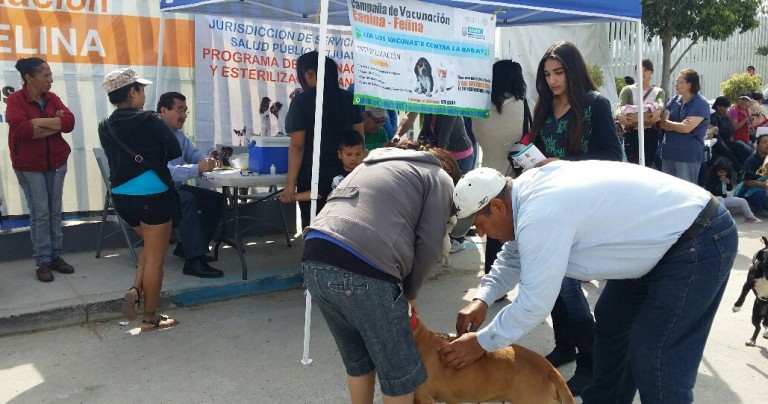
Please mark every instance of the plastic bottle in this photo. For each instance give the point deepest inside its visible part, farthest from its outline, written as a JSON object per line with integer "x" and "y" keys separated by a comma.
{"x": 272, "y": 169}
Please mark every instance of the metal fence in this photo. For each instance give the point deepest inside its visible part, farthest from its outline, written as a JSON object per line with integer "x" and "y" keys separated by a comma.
{"x": 715, "y": 61}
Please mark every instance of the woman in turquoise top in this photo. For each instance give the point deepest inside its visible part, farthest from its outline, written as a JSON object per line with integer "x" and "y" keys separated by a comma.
{"x": 142, "y": 188}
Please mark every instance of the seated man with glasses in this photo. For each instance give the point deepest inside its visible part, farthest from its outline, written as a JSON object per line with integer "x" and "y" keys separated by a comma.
{"x": 201, "y": 209}
{"x": 373, "y": 126}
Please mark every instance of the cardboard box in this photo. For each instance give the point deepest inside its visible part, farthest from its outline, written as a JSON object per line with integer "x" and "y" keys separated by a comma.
{"x": 268, "y": 150}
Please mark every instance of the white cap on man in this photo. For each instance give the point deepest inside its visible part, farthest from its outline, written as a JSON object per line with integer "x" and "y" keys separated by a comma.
{"x": 120, "y": 78}
{"x": 473, "y": 192}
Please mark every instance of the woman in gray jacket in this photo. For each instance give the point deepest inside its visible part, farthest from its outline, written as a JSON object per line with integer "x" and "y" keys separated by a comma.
{"x": 367, "y": 254}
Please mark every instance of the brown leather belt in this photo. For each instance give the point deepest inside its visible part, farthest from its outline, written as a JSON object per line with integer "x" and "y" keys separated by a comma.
{"x": 697, "y": 227}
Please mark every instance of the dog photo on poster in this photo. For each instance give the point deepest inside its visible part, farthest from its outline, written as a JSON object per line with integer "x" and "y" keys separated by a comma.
{"x": 422, "y": 58}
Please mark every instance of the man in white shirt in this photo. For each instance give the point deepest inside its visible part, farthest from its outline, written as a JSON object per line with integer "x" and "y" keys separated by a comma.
{"x": 665, "y": 246}
{"x": 201, "y": 209}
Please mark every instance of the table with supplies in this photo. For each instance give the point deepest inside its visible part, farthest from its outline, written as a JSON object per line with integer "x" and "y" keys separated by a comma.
{"x": 229, "y": 180}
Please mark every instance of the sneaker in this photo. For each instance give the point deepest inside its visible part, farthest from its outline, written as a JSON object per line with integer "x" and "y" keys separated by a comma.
{"x": 44, "y": 273}
{"x": 752, "y": 220}
{"x": 59, "y": 265}
{"x": 456, "y": 246}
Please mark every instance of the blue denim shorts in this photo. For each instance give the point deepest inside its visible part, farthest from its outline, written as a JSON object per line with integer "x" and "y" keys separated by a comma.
{"x": 369, "y": 321}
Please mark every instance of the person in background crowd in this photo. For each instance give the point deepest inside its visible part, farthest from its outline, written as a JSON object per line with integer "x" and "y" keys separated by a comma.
{"x": 339, "y": 115}
{"x": 666, "y": 262}
{"x": 142, "y": 188}
{"x": 755, "y": 176}
{"x": 651, "y": 95}
{"x": 400, "y": 199}
{"x": 390, "y": 124}
{"x": 758, "y": 113}
{"x": 373, "y": 121}
{"x": 201, "y": 209}
{"x": 685, "y": 121}
{"x": 721, "y": 129}
{"x": 572, "y": 121}
{"x": 502, "y": 129}
{"x": 720, "y": 179}
{"x": 37, "y": 118}
{"x": 741, "y": 118}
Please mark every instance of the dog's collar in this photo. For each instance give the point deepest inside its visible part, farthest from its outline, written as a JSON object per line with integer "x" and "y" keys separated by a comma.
{"x": 412, "y": 315}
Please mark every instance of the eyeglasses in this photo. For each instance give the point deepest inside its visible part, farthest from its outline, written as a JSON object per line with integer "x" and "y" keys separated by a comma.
{"x": 249, "y": 173}
{"x": 182, "y": 109}
{"x": 377, "y": 121}
{"x": 680, "y": 82}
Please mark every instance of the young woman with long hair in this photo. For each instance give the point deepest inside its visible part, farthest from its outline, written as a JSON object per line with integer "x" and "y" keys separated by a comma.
{"x": 572, "y": 121}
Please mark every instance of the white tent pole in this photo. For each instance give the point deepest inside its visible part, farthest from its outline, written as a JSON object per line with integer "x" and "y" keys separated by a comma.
{"x": 641, "y": 102}
{"x": 322, "y": 51}
{"x": 158, "y": 69}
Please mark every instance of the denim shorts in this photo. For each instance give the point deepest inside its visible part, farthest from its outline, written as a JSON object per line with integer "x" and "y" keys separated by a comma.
{"x": 147, "y": 209}
{"x": 369, "y": 321}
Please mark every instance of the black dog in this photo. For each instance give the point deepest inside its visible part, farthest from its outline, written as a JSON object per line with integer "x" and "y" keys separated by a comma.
{"x": 424, "y": 81}
{"x": 757, "y": 281}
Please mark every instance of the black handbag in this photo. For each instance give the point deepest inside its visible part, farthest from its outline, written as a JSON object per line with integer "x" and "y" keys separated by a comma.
{"x": 527, "y": 122}
{"x": 172, "y": 193}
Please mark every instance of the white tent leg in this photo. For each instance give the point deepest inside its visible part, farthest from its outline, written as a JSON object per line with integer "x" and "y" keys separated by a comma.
{"x": 305, "y": 360}
{"x": 322, "y": 51}
{"x": 158, "y": 69}
{"x": 641, "y": 102}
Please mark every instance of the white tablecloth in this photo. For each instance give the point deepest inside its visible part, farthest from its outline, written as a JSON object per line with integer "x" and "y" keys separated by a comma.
{"x": 234, "y": 178}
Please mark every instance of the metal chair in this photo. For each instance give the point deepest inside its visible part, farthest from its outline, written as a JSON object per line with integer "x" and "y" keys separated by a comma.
{"x": 101, "y": 160}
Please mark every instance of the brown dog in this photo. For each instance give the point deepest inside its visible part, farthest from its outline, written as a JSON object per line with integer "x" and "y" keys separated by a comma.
{"x": 514, "y": 374}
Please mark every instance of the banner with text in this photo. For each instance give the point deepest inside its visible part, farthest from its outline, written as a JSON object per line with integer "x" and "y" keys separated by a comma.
{"x": 421, "y": 57}
{"x": 245, "y": 75}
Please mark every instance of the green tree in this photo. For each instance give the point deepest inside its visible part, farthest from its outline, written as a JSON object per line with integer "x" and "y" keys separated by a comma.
{"x": 697, "y": 20}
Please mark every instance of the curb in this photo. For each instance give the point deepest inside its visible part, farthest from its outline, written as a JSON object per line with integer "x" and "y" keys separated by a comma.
{"x": 78, "y": 314}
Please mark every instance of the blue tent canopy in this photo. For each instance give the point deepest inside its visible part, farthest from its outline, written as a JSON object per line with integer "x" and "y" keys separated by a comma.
{"x": 519, "y": 12}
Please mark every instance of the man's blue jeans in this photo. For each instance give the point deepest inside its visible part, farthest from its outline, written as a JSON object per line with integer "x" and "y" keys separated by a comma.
{"x": 650, "y": 332}
{"x": 43, "y": 191}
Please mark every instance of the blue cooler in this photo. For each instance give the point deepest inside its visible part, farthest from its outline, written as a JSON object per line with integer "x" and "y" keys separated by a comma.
{"x": 267, "y": 150}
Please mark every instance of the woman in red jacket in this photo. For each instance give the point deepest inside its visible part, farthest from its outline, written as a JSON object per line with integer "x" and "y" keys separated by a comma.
{"x": 39, "y": 153}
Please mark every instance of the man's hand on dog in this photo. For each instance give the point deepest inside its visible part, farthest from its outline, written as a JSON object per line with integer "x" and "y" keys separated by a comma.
{"x": 471, "y": 317}
{"x": 461, "y": 352}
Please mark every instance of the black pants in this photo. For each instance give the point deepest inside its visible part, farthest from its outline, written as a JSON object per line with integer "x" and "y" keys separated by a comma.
{"x": 632, "y": 146}
{"x": 201, "y": 211}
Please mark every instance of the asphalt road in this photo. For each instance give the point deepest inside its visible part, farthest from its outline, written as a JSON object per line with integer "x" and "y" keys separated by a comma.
{"x": 248, "y": 350}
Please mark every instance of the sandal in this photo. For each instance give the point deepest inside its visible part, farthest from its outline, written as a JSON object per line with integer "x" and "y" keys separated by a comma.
{"x": 159, "y": 323}
{"x": 130, "y": 308}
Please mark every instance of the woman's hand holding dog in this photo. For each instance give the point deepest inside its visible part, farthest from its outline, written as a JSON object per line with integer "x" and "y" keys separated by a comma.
{"x": 461, "y": 352}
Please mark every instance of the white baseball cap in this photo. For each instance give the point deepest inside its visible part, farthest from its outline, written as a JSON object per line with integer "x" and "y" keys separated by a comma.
{"x": 472, "y": 193}
{"x": 122, "y": 77}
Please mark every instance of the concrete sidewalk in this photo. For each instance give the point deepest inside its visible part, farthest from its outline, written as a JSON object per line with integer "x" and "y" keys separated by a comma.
{"x": 248, "y": 349}
{"x": 95, "y": 291}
